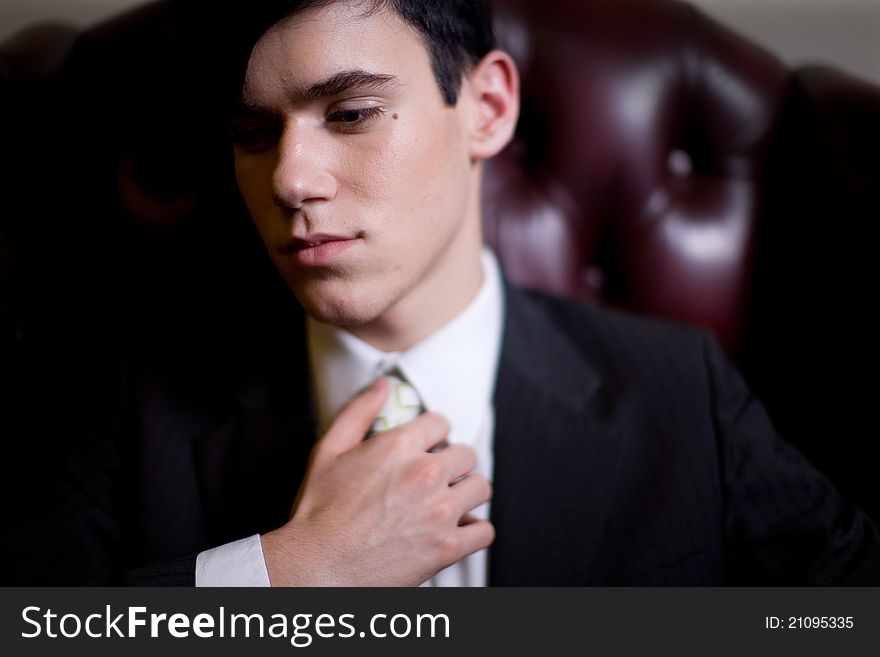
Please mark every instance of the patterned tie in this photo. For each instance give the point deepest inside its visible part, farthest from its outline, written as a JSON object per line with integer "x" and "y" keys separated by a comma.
{"x": 403, "y": 405}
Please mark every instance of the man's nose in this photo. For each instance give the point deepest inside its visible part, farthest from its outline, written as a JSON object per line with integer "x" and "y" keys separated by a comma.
{"x": 300, "y": 173}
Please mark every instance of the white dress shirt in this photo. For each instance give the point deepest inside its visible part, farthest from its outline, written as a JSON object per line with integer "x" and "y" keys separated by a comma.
{"x": 453, "y": 370}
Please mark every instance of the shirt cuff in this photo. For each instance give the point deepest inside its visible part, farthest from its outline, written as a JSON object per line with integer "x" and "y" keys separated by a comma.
{"x": 235, "y": 564}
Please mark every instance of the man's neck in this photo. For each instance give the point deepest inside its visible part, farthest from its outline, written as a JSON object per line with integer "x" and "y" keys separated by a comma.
{"x": 453, "y": 368}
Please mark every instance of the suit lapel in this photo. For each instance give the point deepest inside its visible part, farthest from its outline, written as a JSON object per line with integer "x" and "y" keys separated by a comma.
{"x": 557, "y": 450}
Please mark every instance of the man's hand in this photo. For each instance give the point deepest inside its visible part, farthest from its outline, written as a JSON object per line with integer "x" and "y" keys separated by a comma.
{"x": 380, "y": 512}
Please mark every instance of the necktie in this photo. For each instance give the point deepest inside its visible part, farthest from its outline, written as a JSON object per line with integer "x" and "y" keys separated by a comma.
{"x": 403, "y": 404}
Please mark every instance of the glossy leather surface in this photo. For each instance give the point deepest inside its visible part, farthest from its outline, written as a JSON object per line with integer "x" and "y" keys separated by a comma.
{"x": 637, "y": 163}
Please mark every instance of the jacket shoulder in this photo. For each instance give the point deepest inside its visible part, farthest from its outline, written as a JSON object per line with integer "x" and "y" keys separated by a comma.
{"x": 612, "y": 339}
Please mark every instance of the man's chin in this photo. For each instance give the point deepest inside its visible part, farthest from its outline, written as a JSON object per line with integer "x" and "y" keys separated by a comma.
{"x": 342, "y": 312}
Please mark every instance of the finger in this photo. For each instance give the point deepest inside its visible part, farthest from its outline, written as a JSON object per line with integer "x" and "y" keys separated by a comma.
{"x": 471, "y": 492}
{"x": 420, "y": 434}
{"x": 459, "y": 460}
{"x": 475, "y": 536}
{"x": 353, "y": 422}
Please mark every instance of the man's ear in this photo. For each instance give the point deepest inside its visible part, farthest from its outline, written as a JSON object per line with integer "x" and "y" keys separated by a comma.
{"x": 493, "y": 93}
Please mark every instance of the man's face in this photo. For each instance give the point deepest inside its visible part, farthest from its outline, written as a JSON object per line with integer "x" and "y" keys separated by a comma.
{"x": 357, "y": 174}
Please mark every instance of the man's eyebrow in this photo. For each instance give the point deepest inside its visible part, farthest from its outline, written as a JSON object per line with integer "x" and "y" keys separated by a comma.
{"x": 334, "y": 85}
{"x": 345, "y": 81}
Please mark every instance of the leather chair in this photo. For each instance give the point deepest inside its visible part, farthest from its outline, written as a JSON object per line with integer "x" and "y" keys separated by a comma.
{"x": 663, "y": 164}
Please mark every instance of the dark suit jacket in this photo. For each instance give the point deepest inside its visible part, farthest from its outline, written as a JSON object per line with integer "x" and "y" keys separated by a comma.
{"x": 627, "y": 451}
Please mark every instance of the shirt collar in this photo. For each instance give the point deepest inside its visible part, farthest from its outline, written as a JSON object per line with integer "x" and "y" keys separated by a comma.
{"x": 453, "y": 369}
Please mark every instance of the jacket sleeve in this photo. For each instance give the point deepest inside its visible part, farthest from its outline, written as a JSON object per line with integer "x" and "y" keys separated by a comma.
{"x": 784, "y": 522}
{"x": 72, "y": 492}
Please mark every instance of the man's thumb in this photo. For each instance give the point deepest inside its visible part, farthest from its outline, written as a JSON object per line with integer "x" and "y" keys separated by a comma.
{"x": 353, "y": 422}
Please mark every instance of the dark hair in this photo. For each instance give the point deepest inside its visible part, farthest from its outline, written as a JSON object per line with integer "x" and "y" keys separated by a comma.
{"x": 457, "y": 33}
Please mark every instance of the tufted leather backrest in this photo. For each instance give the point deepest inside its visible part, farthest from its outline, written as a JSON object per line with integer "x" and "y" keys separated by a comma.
{"x": 634, "y": 177}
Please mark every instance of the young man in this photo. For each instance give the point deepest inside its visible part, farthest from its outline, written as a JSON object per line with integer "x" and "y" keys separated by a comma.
{"x": 620, "y": 451}
{"x": 626, "y": 451}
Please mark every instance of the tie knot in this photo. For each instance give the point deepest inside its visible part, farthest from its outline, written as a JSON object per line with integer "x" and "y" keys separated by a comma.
{"x": 403, "y": 404}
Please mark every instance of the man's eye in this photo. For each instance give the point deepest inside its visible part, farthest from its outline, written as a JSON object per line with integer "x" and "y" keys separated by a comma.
{"x": 353, "y": 118}
{"x": 255, "y": 139}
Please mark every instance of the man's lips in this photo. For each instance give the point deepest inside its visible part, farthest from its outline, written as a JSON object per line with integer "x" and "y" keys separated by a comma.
{"x": 318, "y": 250}
{"x": 314, "y": 241}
